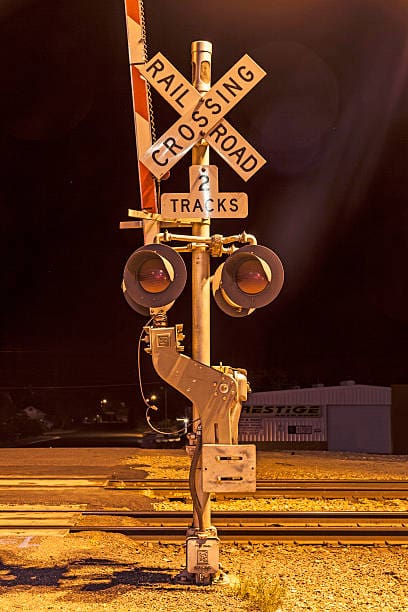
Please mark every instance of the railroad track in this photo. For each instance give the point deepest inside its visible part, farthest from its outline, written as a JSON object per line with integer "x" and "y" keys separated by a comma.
{"x": 301, "y": 527}
{"x": 279, "y": 487}
{"x": 265, "y": 488}
{"x": 51, "y": 482}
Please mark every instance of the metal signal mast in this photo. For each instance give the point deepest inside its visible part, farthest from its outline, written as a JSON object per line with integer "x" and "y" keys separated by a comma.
{"x": 155, "y": 274}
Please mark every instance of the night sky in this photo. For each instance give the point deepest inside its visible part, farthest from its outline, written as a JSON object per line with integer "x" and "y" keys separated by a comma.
{"x": 331, "y": 118}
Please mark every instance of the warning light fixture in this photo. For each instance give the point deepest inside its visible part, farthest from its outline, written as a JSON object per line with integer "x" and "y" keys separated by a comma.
{"x": 250, "y": 278}
{"x": 154, "y": 276}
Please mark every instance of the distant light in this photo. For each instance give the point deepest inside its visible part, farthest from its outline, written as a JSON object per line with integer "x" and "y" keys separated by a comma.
{"x": 104, "y": 401}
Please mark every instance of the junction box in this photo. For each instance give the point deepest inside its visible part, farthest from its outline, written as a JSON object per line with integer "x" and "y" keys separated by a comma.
{"x": 202, "y": 557}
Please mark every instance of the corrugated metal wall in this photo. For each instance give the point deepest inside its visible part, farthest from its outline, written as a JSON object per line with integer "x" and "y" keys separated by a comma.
{"x": 301, "y": 416}
{"x": 359, "y": 429}
{"x": 341, "y": 394}
{"x": 285, "y": 430}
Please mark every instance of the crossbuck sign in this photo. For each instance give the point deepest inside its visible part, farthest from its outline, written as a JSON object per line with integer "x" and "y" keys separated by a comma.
{"x": 202, "y": 116}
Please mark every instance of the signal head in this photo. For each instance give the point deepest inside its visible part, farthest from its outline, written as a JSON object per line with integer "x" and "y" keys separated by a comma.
{"x": 250, "y": 278}
{"x": 154, "y": 276}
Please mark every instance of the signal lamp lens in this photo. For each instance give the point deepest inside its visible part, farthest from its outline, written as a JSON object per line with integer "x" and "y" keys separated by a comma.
{"x": 251, "y": 277}
{"x": 153, "y": 276}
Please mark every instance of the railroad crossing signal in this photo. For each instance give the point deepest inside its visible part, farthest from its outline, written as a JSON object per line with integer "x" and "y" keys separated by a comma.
{"x": 154, "y": 276}
{"x": 204, "y": 200}
{"x": 202, "y": 116}
{"x": 250, "y": 278}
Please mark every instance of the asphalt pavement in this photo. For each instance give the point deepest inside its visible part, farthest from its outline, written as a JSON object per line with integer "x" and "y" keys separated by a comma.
{"x": 101, "y": 464}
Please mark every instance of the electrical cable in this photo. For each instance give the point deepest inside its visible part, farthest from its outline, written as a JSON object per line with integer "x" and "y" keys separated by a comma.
{"x": 191, "y": 480}
{"x": 166, "y": 433}
{"x": 150, "y": 406}
{"x": 138, "y": 362}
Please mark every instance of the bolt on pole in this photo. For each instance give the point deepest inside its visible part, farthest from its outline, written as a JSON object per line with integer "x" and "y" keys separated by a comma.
{"x": 201, "y": 52}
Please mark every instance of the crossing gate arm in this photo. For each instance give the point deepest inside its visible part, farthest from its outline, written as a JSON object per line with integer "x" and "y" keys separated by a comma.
{"x": 136, "y": 35}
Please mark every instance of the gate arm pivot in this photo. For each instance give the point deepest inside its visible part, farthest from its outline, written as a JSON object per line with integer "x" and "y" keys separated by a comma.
{"x": 218, "y": 392}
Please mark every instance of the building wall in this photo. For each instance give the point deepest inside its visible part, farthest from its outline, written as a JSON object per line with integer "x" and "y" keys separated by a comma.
{"x": 399, "y": 419}
{"x": 287, "y": 426}
{"x": 344, "y": 394}
{"x": 348, "y": 417}
{"x": 359, "y": 429}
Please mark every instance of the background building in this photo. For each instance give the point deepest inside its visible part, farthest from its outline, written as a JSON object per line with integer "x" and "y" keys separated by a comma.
{"x": 348, "y": 417}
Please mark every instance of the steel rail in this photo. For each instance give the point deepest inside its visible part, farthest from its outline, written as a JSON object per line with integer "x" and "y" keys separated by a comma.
{"x": 303, "y": 534}
{"x": 268, "y": 483}
{"x": 183, "y": 483}
{"x": 362, "y": 527}
{"x": 50, "y": 482}
{"x": 281, "y": 487}
{"x": 367, "y": 535}
{"x": 226, "y": 516}
{"x": 301, "y": 527}
{"x": 265, "y": 488}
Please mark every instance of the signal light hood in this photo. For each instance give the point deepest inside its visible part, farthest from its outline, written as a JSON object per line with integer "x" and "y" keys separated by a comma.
{"x": 250, "y": 278}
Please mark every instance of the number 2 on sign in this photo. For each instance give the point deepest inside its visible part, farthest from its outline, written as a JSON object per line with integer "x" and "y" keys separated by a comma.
{"x": 203, "y": 179}
{"x": 204, "y": 182}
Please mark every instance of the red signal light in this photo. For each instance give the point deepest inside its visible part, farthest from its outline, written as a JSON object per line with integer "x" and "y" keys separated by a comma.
{"x": 250, "y": 278}
{"x": 154, "y": 276}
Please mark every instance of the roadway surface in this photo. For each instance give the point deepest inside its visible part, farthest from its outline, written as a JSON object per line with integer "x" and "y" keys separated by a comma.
{"x": 103, "y": 435}
{"x": 93, "y": 464}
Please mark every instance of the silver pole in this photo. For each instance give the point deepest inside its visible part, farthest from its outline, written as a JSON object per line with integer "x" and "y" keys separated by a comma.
{"x": 201, "y": 51}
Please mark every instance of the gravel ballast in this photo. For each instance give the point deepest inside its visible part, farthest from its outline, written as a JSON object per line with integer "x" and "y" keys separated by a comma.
{"x": 96, "y": 571}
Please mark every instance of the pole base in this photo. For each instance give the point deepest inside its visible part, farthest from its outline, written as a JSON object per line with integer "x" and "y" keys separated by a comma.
{"x": 220, "y": 578}
{"x": 202, "y": 557}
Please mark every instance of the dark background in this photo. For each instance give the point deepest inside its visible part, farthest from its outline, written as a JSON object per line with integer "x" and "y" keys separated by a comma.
{"x": 331, "y": 119}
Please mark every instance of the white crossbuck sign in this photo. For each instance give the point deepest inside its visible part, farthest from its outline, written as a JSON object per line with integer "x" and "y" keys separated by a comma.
{"x": 202, "y": 116}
